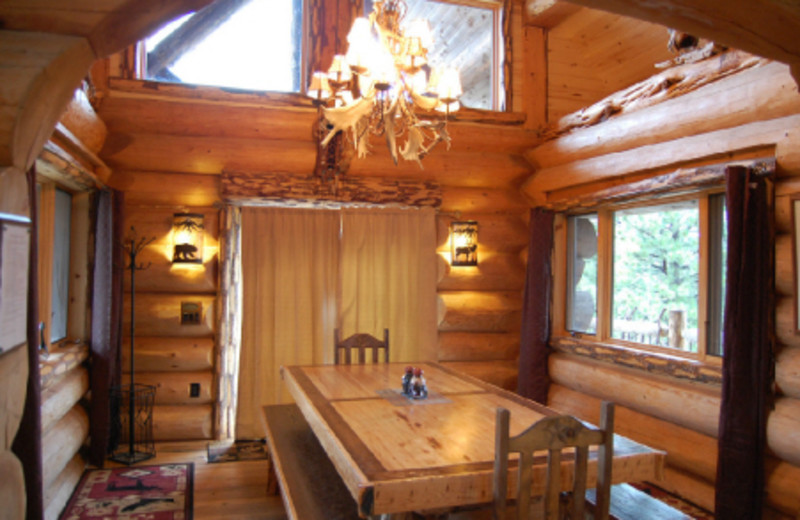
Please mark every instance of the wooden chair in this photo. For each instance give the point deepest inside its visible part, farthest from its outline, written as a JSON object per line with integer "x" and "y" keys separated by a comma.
{"x": 554, "y": 434}
{"x": 360, "y": 342}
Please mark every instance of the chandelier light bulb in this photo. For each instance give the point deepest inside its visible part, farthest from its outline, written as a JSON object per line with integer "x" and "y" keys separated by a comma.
{"x": 319, "y": 88}
{"x": 339, "y": 73}
{"x": 378, "y": 86}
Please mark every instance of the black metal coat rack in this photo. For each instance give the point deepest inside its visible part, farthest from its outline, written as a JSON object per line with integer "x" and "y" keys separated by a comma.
{"x": 138, "y": 398}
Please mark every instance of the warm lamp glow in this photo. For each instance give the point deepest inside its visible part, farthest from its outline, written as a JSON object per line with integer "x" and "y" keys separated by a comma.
{"x": 380, "y": 84}
{"x": 464, "y": 243}
{"x": 187, "y": 235}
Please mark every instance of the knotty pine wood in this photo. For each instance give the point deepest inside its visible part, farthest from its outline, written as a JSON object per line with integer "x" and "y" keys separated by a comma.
{"x": 61, "y": 396}
{"x": 787, "y": 371}
{"x": 160, "y": 315}
{"x": 153, "y": 188}
{"x": 31, "y": 103}
{"x": 494, "y": 272}
{"x": 182, "y": 422}
{"x": 686, "y": 449}
{"x": 692, "y": 406}
{"x": 228, "y": 490}
{"x": 162, "y": 275}
{"x": 59, "y": 492}
{"x": 475, "y": 346}
{"x": 584, "y": 51}
{"x": 83, "y": 122}
{"x": 479, "y": 311}
{"x": 168, "y": 353}
{"x": 764, "y": 28}
{"x": 760, "y": 93}
{"x": 62, "y": 441}
{"x": 173, "y": 388}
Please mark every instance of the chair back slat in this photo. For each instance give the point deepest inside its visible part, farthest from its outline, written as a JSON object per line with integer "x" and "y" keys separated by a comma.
{"x": 361, "y": 343}
{"x": 561, "y": 436}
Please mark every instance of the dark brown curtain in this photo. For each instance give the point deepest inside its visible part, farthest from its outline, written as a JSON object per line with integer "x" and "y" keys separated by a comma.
{"x": 27, "y": 445}
{"x": 533, "y": 379}
{"x": 747, "y": 356}
{"x": 106, "y": 318}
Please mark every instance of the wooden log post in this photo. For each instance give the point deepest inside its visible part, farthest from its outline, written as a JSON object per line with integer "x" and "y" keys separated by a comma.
{"x": 677, "y": 324}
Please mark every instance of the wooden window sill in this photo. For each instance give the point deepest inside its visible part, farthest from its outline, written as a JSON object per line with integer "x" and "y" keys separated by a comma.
{"x": 658, "y": 363}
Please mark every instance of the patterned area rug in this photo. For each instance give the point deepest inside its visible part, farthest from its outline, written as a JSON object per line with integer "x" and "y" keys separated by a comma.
{"x": 674, "y": 501}
{"x": 228, "y": 451}
{"x": 133, "y": 493}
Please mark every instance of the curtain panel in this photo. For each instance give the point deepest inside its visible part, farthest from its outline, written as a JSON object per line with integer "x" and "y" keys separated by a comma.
{"x": 27, "y": 445}
{"x": 388, "y": 279}
{"x": 533, "y": 380}
{"x": 289, "y": 276}
{"x": 747, "y": 373}
{"x": 307, "y": 272}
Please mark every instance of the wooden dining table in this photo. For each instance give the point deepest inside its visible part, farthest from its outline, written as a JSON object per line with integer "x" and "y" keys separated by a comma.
{"x": 398, "y": 454}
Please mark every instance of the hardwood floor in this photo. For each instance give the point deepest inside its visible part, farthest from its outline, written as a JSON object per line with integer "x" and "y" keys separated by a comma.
{"x": 229, "y": 490}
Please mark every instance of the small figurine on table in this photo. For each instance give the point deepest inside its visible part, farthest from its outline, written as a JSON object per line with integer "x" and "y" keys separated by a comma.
{"x": 409, "y": 374}
{"x": 419, "y": 389}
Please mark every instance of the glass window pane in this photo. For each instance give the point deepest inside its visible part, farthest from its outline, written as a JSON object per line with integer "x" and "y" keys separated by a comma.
{"x": 718, "y": 262}
{"x": 582, "y": 274}
{"x": 255, "y": 47}
{"x": 655, "y": 284}
{"x": 463, "y": 38}
{"x": 60, "y": 289}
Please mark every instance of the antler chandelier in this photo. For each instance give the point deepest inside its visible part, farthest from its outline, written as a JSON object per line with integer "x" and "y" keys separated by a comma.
{"x": 377, "y": 87}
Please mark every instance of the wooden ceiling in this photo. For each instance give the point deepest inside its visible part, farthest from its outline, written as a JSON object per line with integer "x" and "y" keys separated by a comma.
{"x": 767, "y": 28}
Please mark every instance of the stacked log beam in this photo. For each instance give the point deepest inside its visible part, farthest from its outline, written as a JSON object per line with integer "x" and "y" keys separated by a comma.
{"x": 176, "y": 358}
{"x": 753, "y": 113}
{"x": 65, "y": 424}
{"x": 480, "y": 307}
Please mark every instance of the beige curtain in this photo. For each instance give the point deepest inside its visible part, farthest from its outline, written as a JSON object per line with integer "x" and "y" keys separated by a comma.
{"x": 388, "y": 278}
{"x": 289, "y": 277}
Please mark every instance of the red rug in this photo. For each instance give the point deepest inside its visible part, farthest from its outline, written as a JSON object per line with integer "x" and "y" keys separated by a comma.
{"x": 133, "y": 493}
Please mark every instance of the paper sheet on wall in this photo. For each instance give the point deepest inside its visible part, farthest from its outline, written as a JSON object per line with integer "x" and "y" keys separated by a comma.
{"x": 14, "y": 240}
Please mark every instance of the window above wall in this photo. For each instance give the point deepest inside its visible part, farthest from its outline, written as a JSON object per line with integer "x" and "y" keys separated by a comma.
{"x": 649, "y": 276}
{"x": 246, "y": 44}
{"x": 258, "y": 45}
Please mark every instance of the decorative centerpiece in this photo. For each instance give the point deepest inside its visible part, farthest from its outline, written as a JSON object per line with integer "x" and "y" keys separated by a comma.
{"x": 414, "y": 385}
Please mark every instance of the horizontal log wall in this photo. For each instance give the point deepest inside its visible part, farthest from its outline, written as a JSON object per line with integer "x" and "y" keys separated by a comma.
{"x": 480, "y": 307}
{"x": 177, "y": 359}
{"x": 749, "y": 114}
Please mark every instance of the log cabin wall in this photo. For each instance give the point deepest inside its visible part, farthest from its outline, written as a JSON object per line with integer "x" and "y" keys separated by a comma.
{"x": 592, "y": 54}
{"x": 168, "y": 144}
{"x": 754, "y": 112}
{"x": 172, "y": 352}
{"x": 68, "y": 161}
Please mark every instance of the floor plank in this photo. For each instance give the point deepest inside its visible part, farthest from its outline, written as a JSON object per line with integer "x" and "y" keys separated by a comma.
{"x": 229, "y": 490}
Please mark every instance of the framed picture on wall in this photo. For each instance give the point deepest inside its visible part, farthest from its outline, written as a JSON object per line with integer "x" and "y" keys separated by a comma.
{"x": 15, "y": 233}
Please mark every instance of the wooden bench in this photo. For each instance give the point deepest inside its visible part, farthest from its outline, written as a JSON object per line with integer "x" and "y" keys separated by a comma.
{"x": 629, "y": 503}
{"x": 310, "y": 486}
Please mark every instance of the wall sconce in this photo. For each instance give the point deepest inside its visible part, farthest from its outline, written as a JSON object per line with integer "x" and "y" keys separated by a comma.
{"x": 187, "y": 234}
{"x": 464, "y": 243}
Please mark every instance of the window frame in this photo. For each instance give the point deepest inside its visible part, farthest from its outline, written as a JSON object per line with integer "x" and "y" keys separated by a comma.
{"x": 604, "y": 303}
{"x": 77, "y": 299}
{"x": 134, "y": 64}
